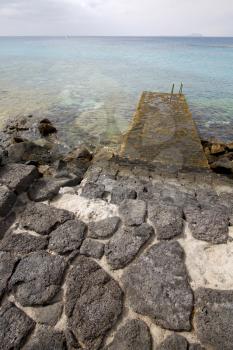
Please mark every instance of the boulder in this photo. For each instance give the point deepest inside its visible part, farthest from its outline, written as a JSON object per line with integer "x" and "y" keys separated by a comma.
{"x": 43, "y": 189}
{"x": 46, "y": 339}
{"x": 7, "y": 263}
{"x": 92, "y": 248}
{"x": 67, "y": 237}
{"x": 157, "y": 285}
{"x": 7, "y": 200}
{"x": 46, "y": 127}
{"x": 133, "y": 335}
{"x": 22, "y": 243}
{"x": 15, "y": 325}
{"x": 213, "y": 318}
{"x": 133, "y": 212}
{"x": 208, "y": 224}
{"x": 37, "y": 278}
{"x": 30, "y": 151}
{"x": 18, "y": 177}
{"x": 167, "y": 220}
{"x": 103, "y": 229}
{"x": 93, "y": 302}
{"x": 125, "y": 244}
{"x": 43, "y": 219}
{"x": 174, "y": 342}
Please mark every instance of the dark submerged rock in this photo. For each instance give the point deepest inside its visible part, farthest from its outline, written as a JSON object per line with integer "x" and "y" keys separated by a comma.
{"x": 22, "y": 243}
{"x": 37, "y": 278}
{"x": 133, "y": 212}
{"x": 103, "y": 229}
{"x": 46, "y": 339}
{"x": 15, "y": 325}
{"x": 43, "y": 219}
{"x": 125, "y": 244}
{"x": 167, "y": 220}
{"x": 18, "y": 177}
{"x": 7, "y": 200}
{"x": 174, "y": 342}
{"x": 213, "y": 318}
{"x": 157, "y": 286}
{"x": 46, "y": 127}
{"x": 67, "y": 237}
{"x": 7, "y": 263}
{"x": 133, "y": 335}
{"x": 92, "y": 248}
{"x": 93, "y": 302}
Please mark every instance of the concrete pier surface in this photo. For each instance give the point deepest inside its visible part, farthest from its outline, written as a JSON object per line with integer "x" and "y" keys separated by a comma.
{"x": 163, "y": 131}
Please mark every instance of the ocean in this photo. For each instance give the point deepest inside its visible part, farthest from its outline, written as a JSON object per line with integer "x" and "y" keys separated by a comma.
{"x": 89, "y": 86}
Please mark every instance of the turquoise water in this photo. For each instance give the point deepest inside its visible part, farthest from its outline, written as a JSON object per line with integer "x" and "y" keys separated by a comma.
{"x": 90, "y": 86}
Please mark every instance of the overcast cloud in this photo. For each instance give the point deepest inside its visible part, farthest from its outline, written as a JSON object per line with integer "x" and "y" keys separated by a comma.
{"x": 116, "y": 17}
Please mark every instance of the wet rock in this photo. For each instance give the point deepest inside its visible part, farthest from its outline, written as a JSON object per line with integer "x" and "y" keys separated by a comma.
{"x": 46, "y": 127}
{"x": 37, "y": 278}
{"x": 43, "y": 189}
{"x": 18, "y": 177}
{"x": 217, "y": 148}
{"x": 133, "y": 212}
{"x": 23, "y": 243}
{"x": 157, "y": 286}
{"x": 92, "y": 248}
{"x": 7, "y": 200}
{"x": 167, "y": 220}
{"x": 230, "y": 146}
{"x": 103, "y": 229}
{"x": 93, "y": 302}
{"x": 15, "y": 325}
{"x": 30, "y": 151}
{"x": 222, "y": 166}
{"x": 46, "y": 339}
{"x": 7, "y": 263}
{"x": 67, "y": 237}
{"x": 120, "y": 192}
{"x": 125, "y": 244}
{"x": 93, "y": 191}
{"x": 42, "y": 218}
{"x": 174, "y": 342}
{"x": 208, "y": 224}
{"x": 213, "y": 318}
{"x": 133, "y": 335}
{"x": 48, "y": 314}
{"x": 79, "y": 153}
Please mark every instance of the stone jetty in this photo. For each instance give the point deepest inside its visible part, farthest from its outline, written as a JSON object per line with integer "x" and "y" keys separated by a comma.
{"x": 118, "y": 251}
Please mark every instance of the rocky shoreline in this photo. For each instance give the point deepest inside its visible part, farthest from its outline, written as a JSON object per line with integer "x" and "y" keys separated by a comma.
{"x": 97, "y": 253}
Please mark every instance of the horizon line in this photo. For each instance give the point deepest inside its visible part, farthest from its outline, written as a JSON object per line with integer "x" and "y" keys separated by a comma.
{"x": 115, "y": 36}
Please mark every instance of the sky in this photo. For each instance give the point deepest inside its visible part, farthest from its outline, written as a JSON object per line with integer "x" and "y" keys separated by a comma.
{"x": 116, "y": 17}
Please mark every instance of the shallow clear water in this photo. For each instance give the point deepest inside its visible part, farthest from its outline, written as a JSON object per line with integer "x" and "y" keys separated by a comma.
{"x": 90, "y": 86}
